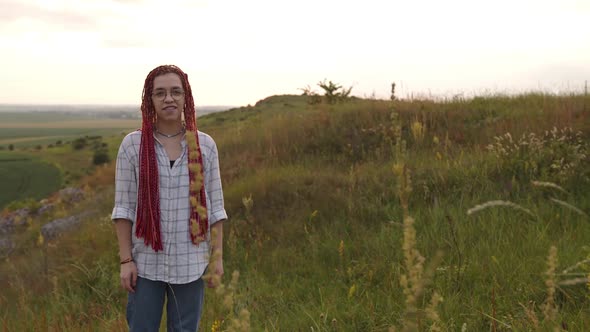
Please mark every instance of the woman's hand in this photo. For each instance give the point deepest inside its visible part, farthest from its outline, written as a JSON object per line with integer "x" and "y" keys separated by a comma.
{"x": 129, "y": 276}
{"x": 217, "y": 273}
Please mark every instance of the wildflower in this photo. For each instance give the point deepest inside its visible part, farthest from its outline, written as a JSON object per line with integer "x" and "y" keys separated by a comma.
{"x": 216, "y": 326}
{"x": 417, "y": 131}
{"x": 40, "y": 240}
{"x": 351, "y": 291}
{"x": 248, "y": 202}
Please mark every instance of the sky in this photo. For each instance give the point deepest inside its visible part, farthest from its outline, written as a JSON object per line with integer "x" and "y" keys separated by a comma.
{"x": 237, "y": 52}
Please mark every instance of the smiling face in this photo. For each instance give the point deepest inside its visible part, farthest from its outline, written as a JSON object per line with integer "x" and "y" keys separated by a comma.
{"x": 169, "y": 108}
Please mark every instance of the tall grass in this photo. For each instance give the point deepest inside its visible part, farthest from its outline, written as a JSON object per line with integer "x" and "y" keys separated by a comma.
{"x": 321, "y": 246}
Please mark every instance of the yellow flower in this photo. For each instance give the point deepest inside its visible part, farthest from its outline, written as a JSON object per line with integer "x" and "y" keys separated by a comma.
{"x": 398, "y": 169}
{"x": 351, "y": 291}
{"x": 216, "y": 326}
{"x": 418, "y": 131}
{"x": 40, "y": 240}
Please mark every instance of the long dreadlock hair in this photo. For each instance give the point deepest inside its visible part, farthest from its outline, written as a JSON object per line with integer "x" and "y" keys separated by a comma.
{"x": 148, "y": 197}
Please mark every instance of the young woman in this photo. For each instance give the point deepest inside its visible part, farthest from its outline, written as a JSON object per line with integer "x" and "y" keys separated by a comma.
{"x": 169, "y": 210}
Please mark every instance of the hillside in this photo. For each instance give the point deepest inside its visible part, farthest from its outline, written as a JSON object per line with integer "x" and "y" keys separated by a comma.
{"x": 320, "y": 221}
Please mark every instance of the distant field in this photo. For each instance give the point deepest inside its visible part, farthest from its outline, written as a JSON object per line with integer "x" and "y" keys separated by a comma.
{"x": 27, "y": 137}
{"x": 72, "y": 124}
{"x": 24, "y": 177}
{"x": 27, "y": 130}
{"x": 35, "y": 174}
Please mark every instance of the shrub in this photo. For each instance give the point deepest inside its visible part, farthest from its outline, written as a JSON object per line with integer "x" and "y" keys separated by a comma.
{"x": 79, "y": 143}
{"x": 331, "y": 91}
{"x": 100, "y": 157}
{"x": 558, "y": 153}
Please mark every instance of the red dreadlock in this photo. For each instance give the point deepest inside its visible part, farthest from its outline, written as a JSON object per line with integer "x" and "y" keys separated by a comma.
{"x": 148, "y": 197}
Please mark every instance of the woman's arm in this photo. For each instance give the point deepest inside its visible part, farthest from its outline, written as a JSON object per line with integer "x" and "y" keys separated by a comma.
{"x": 128, "y": 269}
{"x": 217, "y": 250}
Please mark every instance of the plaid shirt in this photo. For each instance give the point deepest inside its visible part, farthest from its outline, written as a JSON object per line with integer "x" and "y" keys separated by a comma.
{"x": 181, "y": 261}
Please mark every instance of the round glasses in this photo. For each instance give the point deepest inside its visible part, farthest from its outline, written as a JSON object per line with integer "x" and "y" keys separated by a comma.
{"x": 160, "y": 95}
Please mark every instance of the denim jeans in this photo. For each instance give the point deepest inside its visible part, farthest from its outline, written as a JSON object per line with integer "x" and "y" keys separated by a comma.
{"x": 183, "y": 309}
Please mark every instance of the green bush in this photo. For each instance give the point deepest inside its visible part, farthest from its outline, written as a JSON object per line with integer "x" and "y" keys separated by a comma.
{"x": 556, "y": 155}
{"x": 101, "y": 156}
{"x": 79, "y": 143}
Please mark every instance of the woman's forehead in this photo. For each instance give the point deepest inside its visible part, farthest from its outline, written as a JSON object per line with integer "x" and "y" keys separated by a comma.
{"x": 168, "y": 80}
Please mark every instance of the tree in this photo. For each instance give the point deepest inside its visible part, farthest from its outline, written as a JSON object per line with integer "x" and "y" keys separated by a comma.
{"x": 312, "y": 96}
{"x": 331, "y": 91}
{"x": 11, "y": 147}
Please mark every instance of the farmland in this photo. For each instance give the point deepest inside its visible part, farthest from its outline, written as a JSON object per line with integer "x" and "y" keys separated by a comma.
{"x": 44, "y": 128}
{"x": 36, "y": 155}
{"x": 25, "y": 177}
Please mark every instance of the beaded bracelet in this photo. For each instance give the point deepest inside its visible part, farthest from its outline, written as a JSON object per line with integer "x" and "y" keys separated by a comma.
{"x": 130, "y": 259}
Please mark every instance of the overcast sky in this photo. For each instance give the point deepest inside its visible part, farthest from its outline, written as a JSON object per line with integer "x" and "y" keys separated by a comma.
{"x": 237, "y": 52}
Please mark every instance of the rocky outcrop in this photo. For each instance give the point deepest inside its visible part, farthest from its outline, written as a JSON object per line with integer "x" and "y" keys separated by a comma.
{"x": 13, "y": 221}
{"x": 58, "y": 226}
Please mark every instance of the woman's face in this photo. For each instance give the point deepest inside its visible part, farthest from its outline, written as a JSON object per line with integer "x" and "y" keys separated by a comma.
{"x": 168, "y": 97}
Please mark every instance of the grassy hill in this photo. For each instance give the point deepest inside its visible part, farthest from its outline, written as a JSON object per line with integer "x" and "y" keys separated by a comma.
{"x": 321, "y": 228}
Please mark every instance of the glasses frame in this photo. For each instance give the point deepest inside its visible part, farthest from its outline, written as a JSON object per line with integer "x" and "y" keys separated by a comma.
{"x": 166, "y": 93}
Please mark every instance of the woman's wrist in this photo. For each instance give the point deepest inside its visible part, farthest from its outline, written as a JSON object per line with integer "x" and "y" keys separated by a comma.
{"x": 127, "y": 260}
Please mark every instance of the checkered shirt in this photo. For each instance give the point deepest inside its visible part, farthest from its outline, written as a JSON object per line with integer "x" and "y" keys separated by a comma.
{"x": 181, "y": 261}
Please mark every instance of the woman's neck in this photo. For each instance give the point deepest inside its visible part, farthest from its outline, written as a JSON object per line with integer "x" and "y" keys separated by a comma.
{"x": 168, "y": 127}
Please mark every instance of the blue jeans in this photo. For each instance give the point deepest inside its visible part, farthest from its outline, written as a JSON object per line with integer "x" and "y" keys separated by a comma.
{"x": 183, "y": 309}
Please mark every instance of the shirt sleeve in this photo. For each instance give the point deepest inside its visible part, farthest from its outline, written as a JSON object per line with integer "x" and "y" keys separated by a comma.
{"x": 125, "y": 184}
{"x": 215, "y": 192}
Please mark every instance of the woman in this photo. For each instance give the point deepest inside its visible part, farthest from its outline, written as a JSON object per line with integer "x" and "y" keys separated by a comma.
{"x": 168, "y": 211}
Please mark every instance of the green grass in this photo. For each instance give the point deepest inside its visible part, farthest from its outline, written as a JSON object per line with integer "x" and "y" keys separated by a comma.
{"x": 322, "y": 175}
{"x": 23, "y": 176}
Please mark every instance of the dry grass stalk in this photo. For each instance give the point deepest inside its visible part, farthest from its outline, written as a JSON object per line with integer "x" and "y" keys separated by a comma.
{"x": 549, "y": 308}
{"x": 569, "y": 206}
{"x": 531, "y": 315}
{"x": 574, "y": 281}
{"x": 489, "y": 204}
{"x": 549, "y": 185}
{"x": 416, "y": 278}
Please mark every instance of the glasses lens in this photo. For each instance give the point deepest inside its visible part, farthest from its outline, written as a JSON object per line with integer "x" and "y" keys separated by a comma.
{"x": 160, "y": 95}
{"x": 176, "y": 94}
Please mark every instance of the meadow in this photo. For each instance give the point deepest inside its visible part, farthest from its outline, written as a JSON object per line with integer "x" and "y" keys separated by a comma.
{"x": 362, "y": 215}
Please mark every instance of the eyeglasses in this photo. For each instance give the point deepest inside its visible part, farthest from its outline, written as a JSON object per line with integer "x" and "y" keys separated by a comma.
{"x": 160, "y": 95}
